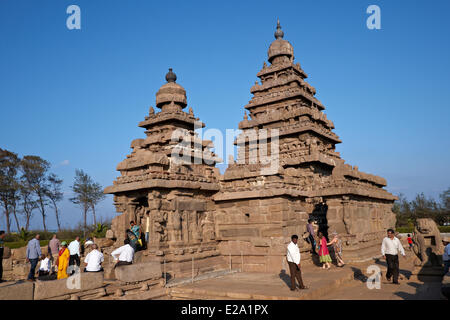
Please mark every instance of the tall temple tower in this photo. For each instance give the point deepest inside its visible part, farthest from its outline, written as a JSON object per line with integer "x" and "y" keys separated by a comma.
{"x": 258, "y": 209}
{"x": 166, "y": 186}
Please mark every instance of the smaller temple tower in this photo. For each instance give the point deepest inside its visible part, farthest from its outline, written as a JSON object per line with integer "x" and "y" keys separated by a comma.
{"x": 166, "y": 185}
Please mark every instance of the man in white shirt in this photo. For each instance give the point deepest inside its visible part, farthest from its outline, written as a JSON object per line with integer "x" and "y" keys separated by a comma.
{"x": 293, "y": 258}
{"x": 94, "y": 260}
{"x": 74, "y": 250}
{"x": 390, "y": 247}
{"x": 124, "y": 254}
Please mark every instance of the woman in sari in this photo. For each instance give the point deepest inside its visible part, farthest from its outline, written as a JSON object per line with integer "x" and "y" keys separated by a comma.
{"x": 63, "y": 261}
{"x": 324, "y": 254}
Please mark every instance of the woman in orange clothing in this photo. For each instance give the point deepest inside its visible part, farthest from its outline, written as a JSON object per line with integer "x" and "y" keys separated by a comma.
{"x": 63, "y": 261}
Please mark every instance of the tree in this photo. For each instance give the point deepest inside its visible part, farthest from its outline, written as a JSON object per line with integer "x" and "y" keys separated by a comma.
{"x": 9, "y": 187}
{"x": 34, "y": 170}
{"x": 97, "y": 196}
{"x": 82, "y": 188}
{"x": 54, "y": 194}
{"x": 28, "y": 202}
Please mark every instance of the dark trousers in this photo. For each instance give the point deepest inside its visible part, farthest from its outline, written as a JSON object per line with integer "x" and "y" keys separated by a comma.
{"x": 393, "y": 267}
{"x": 74, "y": 259}
{"x": 34, "y": 263}
{"x": 101, "y": 270}
{"x": 122, "y": 263}
{"x": 446, "y": 266}
{"x": 1, "y": 263}
{"x": 295, "y": 273}
{"x": 312, "y": 241}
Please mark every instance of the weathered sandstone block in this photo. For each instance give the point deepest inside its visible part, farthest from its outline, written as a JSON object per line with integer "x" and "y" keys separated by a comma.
{"x": 139, "y": 272}
{"x": 55, "y": 288}
{"x": 17, "y": 291}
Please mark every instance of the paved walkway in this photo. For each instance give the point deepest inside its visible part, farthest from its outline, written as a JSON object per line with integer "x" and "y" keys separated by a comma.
{"x": 348, "y": 282}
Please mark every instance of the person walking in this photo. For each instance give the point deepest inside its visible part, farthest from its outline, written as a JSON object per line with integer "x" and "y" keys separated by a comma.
{"x": 2, "y": 247}
{"x": 312, "y": 236}
{"x": 74, "y": 250}
{"x": 54, "y": 246}
{"x": 123, "y": 255}
{"x": 293, "y": 258}
{"x": 446, "y": 255}
{"x": 324, "y": 254}
{"x": 33, "y": 255}
{"x": 63, "y": 261}
{"x": 94, "y": 260}
{"x": 390, "y": 248}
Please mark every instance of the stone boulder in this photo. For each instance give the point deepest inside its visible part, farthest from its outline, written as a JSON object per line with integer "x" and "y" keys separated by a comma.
{"x": 19, "y": 253}
{"x": 17, "y": 291}
{"x": 104, "y": 242}
{"x": 139, "y": 272}
{"x": 6, "y": 253}
{"x": 76, "y": 283}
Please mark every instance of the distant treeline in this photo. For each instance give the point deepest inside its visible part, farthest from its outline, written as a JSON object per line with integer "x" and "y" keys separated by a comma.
{"x": 408, "y": 212}
{"x": 27, "y": 186}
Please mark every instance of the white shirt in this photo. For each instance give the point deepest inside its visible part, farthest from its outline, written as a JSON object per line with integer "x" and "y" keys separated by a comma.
{"x": 293, "y": 253}
{"x": 93, "y": 260}
{"x": 393, "y": 246}
{"x": 45, "y": 265}
{"x": 446, "y": 255}
{"x": 125, "y": 253}
{"x": 74, "y": 248}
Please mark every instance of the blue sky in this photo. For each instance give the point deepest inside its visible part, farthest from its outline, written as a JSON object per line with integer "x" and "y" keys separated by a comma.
{"x": 75, "y": 97}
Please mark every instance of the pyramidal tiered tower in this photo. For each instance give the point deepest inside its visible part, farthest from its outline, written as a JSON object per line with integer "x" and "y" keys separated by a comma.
{"x": 169, "y": 198}
{"x": 257, "y": 209}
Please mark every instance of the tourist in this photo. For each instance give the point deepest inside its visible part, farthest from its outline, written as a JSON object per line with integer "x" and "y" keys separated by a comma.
{"x": 124, "y": 255}
{"x": 446, "y": 255}
{"x": 390, "y": 248}
{"x": 324, "y": 254}
{"x": 54, "y": 246}
{"x": 74, "y": 250}
{"x": 46, "y": 265}
{"x": 137, "y": 232}
{"x": 337, "y": 247}
{"x": 94, "y": 260}
{"x": 293, "y": 258}
{"x": 410, "y": 242}
{"x": 133, "y": 239}
{"x": 2, "y": 244}
{"x": 87, "y": 246}
{"x": 33, "y": 255}
{"x": 63, "y": 261}
{"x": 312, "y": 235}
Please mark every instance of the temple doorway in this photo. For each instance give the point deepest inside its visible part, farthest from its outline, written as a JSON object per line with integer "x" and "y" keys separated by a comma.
{"x": 319, "y": 215}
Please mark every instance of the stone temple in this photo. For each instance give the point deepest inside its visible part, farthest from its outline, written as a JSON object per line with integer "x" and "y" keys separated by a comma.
{"x": 246, "y": 216}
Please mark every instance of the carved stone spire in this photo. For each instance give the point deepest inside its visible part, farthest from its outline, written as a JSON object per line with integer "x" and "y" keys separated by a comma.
{"x": 171, "y": 76}
{"x": 279, "y": 34}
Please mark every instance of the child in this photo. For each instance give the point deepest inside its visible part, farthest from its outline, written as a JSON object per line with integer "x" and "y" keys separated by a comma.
{"x": 410, "y": 242}
{"x": 324, "y": 255}
{"x": 45, "y": 267}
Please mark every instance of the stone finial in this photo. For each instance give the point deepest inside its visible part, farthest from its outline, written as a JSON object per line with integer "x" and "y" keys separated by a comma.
{"x": 245, "y": 115}
{"x": 279, "y": 34}
{"x": 191, "y": 112}
{"x": 171, "y": 76}
{"x": 151, "y": 110}
{"x": 264, "y": 65}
